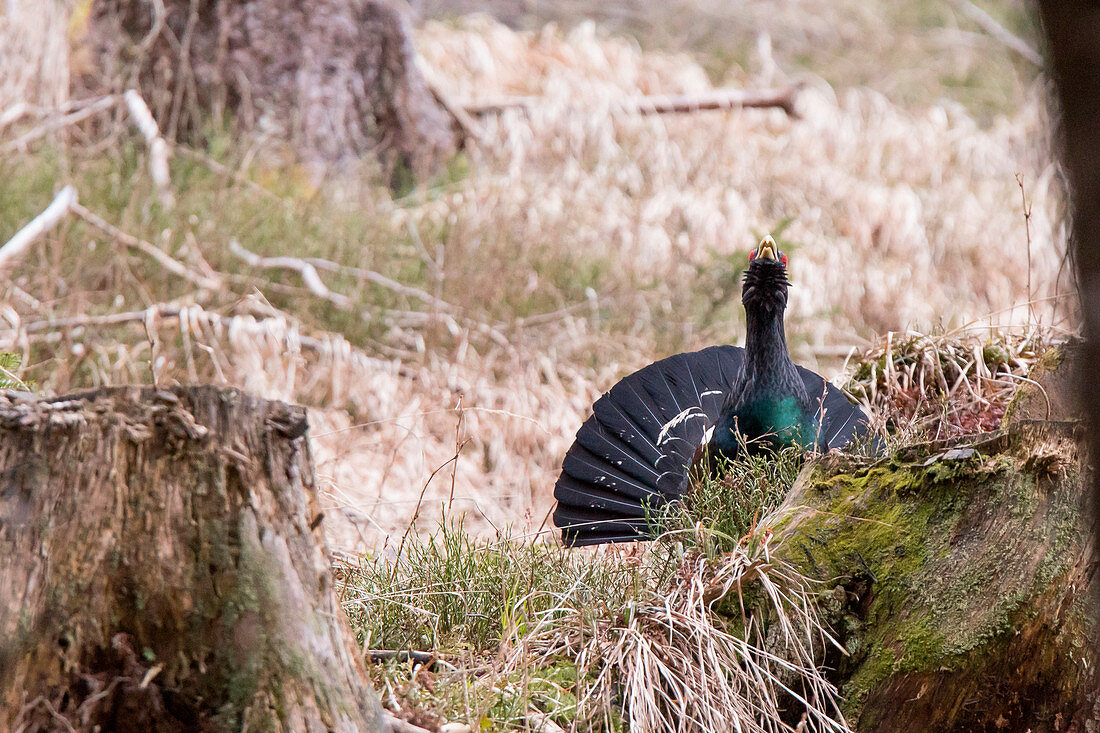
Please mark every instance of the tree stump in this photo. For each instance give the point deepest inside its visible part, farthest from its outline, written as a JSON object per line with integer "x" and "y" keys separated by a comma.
{"x": 337, "y": 79}
{"x": 164, "y": 568}
{"x": 962, "y": 575}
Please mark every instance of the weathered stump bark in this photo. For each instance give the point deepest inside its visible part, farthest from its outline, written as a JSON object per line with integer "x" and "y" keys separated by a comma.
{"x": 962, "y": 578}
{"x": 337, "y": 79}
{"x": 163, "y": 568}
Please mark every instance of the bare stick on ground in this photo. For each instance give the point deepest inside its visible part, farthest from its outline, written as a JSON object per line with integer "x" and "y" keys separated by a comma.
{"x": 15, "y": 247}
{"x": 990, "y": 25}
{"x": 308, "y": 272}
{"x": 158, "y": 148}
{"x": 163, "y": 258}
{"x": 721, "y": 99}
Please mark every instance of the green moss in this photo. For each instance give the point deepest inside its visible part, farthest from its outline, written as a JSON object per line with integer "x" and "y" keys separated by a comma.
{"x": 940, "y": 590}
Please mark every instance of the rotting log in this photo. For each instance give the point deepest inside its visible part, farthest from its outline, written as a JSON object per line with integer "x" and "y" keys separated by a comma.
{"x": 961, "y": 577}
{"x": 164, "y": 568}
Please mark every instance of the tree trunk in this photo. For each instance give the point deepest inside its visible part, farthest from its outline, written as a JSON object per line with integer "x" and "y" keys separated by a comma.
{"x": 1071, "y": 29}
{"x": 164, "y": 568}
{"x": 336, "y": 78}
{"x": 962, "y": 579}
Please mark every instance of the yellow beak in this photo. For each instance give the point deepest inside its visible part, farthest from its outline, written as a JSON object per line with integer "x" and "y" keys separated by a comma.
{"x": 767, "y": 249}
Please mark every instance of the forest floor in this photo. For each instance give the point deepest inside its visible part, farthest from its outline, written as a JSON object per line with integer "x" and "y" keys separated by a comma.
{"x": 465, "y": 326}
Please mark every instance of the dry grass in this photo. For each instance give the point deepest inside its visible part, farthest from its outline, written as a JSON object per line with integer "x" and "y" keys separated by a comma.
{"x": 699, "y": 631}
{"x": 578, "y": 244}
{"x": 945, "y": 384}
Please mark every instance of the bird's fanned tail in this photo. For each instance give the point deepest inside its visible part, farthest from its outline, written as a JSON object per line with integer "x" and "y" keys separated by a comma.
{"x": 634, "y": 454}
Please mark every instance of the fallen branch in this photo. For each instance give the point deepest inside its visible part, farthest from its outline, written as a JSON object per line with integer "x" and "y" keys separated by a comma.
{"x": 328, "y": 345}
{"x": 382, "y": 281}
{"x": 13, "y": 113}
{"x": 467, "y": 124}
{"x": 166, "y": 261}
{"x": 724, "y": 99}
{"x": 56, "y": 123}
{"x": 15, "y": 247}
{"x": 158, "y": 148}
{"x": 308, "y": 272}
{"x": 666, "y": 104}
{"x": 990, "y": 25}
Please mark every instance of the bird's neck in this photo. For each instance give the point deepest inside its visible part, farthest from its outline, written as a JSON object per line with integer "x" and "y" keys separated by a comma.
{"x": 767, "y": 360}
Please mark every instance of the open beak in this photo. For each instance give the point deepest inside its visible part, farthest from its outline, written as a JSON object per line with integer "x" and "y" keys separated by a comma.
{"x": 767, "y": 249}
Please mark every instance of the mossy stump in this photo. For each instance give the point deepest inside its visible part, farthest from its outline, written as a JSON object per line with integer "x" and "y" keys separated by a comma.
{"x": 961, "y": 582}
{"x": 164, "y": 568}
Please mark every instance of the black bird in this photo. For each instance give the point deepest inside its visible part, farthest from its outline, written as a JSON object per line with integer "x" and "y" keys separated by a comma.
{"x": 635, "y": 453}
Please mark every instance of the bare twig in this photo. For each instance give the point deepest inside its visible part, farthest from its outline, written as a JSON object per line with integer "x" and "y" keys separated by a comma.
{"x": 784, "y": 99}
{"x": 322, "y": 344}
{"x": 1027, "y": 230}
{"x": 163, "y": 259}
{"x": 158, "y": 149}
{"x": 159, "y": 14}
{"x": 47, "y": 220}
{"x": 308, "y": 272}
{"x": 990, "y": 25}
{"x": 382, "y": 281}
{"x": 13, "y": 113}
{"x": 56, "y": 123}
{"x": 661, "y": 104}
{"x": 470, "y": 127}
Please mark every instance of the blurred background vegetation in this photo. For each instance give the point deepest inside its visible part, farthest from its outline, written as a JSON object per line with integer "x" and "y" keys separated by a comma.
{"x": 481, "y": 307}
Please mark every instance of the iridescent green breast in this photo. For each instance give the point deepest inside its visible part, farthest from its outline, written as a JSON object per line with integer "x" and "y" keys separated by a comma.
{"x": 780, "y": 422}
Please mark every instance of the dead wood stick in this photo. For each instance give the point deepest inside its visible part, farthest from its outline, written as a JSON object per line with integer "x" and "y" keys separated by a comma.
{"x": 327, "y": 345}
{"x": 990, "y": 25}
{"x": 667, "y": 104}
{"x": 308, "y": 272}
{"x": 56, "y": 123}
{"x": 163, "y": 258}
{"x": 15, "y": 247}
{"x": 469, "y": 126}
{"x": 381, "y": 280}
{"x": 727, "y": 99}
{"x": 13, "y": 113}
{"x": 158, "y": 148}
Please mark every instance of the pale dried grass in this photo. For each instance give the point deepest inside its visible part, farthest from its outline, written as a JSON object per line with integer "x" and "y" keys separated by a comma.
{"x": 672, "y": 661}
{"x": 899, "y": 220}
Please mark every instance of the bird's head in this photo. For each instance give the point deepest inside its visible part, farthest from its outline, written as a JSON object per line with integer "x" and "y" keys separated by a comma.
{"x": 766, "y": 282}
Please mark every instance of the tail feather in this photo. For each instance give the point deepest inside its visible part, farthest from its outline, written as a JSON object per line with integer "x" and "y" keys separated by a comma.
{"x": 635, "y": 451}
{"x": 618, "y": 452}
{"x": 633, "y": 455}
{"x": 582, "y": 526}
{"x": 581, "y": 495}
{"x": 842, "y": 423}
{"x": 598, "y": 472}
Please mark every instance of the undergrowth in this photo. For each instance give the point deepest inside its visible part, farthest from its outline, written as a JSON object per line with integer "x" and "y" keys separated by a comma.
{"x": 617, "y": 638}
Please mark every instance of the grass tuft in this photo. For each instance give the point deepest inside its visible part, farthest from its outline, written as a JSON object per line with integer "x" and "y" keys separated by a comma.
{"x": 696, "y": 629}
